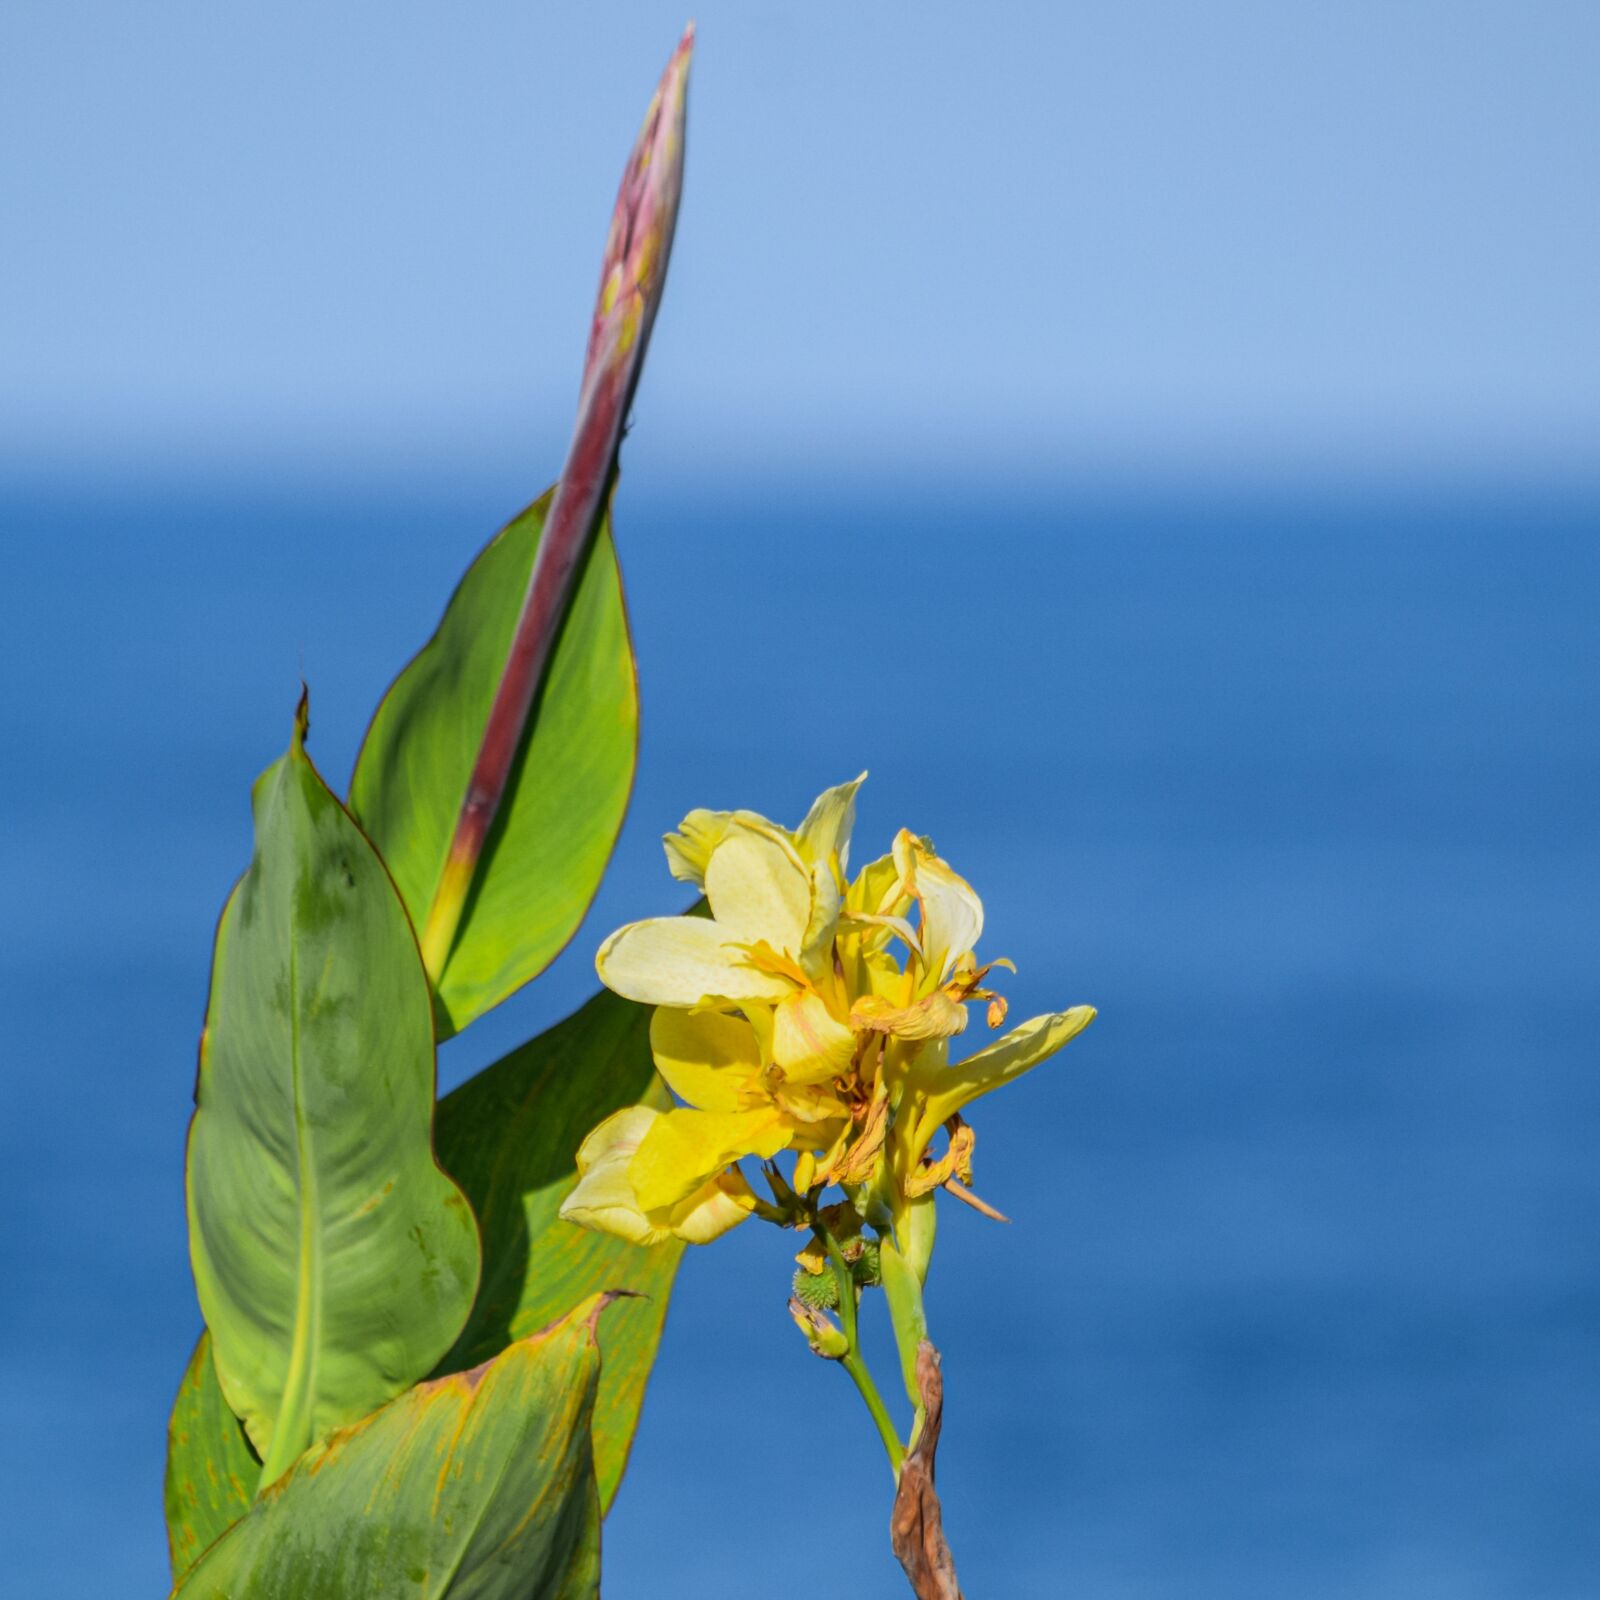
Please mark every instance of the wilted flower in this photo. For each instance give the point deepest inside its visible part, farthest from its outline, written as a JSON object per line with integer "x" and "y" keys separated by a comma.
{"x": 785, "y": 1020}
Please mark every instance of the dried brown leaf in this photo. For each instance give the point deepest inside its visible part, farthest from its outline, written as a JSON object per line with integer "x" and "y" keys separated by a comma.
{"x": 916, "y": 1526}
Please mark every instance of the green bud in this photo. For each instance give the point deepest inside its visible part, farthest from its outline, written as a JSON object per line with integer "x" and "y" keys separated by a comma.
{"x": 865, "y": 1269}
{"x": 820, "y": 1290}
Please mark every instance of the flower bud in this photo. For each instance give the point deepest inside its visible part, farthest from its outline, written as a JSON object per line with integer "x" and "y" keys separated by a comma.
{"x": 822, "y": 1333}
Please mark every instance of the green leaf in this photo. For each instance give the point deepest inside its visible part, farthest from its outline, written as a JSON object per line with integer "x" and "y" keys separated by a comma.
{"x": 211, "y": 1469}
{"x": 565, "y": 800}
{"x": 510, "y": 1136}
{"x": 334, "y": 1260}
{"x": 478, "y": 1485}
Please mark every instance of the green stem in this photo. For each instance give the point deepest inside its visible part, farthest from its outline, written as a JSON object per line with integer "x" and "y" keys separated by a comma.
{"x": 852, "y": 1361}
{"x": 857, "y": 1368}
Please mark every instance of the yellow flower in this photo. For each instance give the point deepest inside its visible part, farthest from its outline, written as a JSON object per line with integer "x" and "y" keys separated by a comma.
{"x": 606, "y": 1197}
{"x": 784, "y": 1020}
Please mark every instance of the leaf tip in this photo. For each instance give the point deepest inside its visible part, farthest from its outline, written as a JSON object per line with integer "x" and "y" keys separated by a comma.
{"x": 603, "y": 1299}
{"x": 302, "y": 719}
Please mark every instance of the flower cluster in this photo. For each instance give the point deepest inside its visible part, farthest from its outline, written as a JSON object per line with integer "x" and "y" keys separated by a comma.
{"x": 809, "y": 1012}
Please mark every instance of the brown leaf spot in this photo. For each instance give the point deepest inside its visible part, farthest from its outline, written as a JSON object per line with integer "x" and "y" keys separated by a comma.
{"x": 473, "y": 1376}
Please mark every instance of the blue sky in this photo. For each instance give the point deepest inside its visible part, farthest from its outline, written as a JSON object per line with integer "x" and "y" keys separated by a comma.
{"x": 1250, "y": 234}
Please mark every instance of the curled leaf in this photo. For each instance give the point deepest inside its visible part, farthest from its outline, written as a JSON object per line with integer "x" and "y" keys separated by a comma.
{"x": 916, "y": 1526}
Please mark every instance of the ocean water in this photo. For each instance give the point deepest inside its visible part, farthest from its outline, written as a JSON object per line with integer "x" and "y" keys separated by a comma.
{"x": 1298, "y": 786}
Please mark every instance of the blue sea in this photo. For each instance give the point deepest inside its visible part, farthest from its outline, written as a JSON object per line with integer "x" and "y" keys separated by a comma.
{"x": 1299, "y": 784}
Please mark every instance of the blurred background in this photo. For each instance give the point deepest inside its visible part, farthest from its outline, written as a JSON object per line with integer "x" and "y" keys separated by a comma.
{"x": 1159, "y": 441}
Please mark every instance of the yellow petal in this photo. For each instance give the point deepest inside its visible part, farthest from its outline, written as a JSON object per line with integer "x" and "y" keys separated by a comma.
{"x": 824, "y": 837}
{"x": 604, "y": 1198}
{"x": 948, "y": 1089}
{"x": 681, "y": 961}
{"x": 682, "y": 1150}
{"x": 814, "y": 1258}
{"x": 618, "y": 1135}
{"x": 935, "y": 1016}
{"x": 881, "y": 889}
{"x": 876, "y": 931}
{"x": 709, "y": 1059}
{"x": 904, "y": 851}
{"x": 760, "y": 1019}
{"x": 809, "y": 1044}
{"x": 952, "y": 916}
{"x": 858, "y": 1161}
{"x": 710, "y": 1212}
{"x": 816, "y": 943}
{"x": 955, "y": 1163}
{"x": 689, "y": 849}
{"x": 763, "y": 956}
{"x": 759, "y": 889}
{"x": 815, "y": 1107}
{"x": 877, "y": 972}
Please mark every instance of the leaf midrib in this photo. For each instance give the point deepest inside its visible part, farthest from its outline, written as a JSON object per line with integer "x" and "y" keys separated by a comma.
{"x": 291, "y": 1432}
